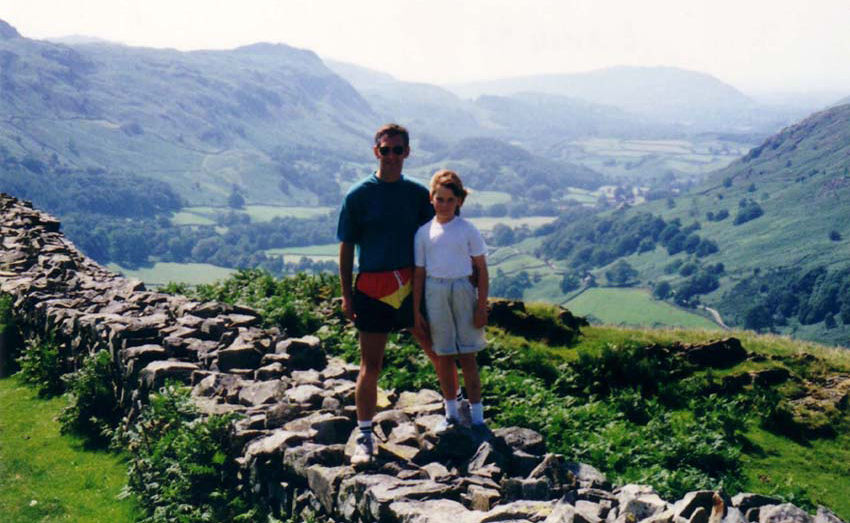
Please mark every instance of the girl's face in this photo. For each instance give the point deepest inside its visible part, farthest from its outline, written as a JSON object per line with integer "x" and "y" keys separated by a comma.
{"x": 445, "y": 204}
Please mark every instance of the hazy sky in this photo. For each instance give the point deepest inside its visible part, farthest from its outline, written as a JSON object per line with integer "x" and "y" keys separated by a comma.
{"x": 755, "y": 45}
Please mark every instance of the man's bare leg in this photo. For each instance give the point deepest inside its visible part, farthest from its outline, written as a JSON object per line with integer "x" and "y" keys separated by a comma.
{"x": 372, "y": 346}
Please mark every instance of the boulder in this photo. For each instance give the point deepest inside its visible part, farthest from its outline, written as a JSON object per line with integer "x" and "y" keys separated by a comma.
{"x": 156, "y": 373}
{"x": 784, "y": 513}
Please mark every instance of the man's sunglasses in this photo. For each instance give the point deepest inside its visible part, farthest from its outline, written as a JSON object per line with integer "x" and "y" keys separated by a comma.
{"x": 397, "y": 150}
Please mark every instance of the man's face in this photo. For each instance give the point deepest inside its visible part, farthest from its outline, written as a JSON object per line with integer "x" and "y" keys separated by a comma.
{"x": 391, "y": 152}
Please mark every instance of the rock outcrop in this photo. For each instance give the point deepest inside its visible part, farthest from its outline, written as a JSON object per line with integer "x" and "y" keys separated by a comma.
{"x": 296, "y": 430}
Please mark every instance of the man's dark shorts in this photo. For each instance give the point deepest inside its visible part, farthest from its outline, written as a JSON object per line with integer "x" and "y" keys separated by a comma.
{"x": 372, "y": 314}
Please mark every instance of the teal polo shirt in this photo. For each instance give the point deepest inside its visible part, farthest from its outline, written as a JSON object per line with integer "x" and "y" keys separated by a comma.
{"x": 381, "y": 218}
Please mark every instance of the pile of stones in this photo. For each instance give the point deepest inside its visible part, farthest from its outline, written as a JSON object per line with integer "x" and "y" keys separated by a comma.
{"x": 297, "y": 416}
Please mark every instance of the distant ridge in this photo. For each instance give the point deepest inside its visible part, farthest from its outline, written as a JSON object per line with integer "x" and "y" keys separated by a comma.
{"x": 7, "y": 32}
{"x": 667, "y": 94}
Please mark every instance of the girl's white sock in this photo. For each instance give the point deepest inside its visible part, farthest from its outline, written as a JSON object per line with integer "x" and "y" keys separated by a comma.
{"x": 476, "y": 411}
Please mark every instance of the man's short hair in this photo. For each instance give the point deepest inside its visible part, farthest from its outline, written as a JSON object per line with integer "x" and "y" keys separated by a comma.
{"x": 392, "y": 129}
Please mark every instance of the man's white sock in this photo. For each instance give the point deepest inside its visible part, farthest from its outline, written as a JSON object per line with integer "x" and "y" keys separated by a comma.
{"x": 451, "y": 409}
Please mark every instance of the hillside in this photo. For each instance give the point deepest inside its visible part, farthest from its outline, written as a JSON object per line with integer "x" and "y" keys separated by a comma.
{"x": 764, "y": 240}
{"x": 696, "y": 101}
{"x": 206, "y": 122}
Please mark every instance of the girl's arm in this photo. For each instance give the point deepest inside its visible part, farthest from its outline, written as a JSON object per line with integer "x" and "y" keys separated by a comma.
{"x": 480, "y": 318}
{"x": 418, "y": 289}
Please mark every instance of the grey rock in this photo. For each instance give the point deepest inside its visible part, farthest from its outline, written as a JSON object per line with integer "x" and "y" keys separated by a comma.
{"x": 270, "y": 372}
{"x": 437, "y": 471}
{"x": 307, "y": 377}
{"x": 482, "y": 498}
{"x": 705, "y": 499}
{"x": 733, "y": 515}
{"x": 282, "y": 413}
{"x": 240, "y": 355}
{"x": 745, "y": 501}
{"x": 784, "y": 513}
{"x": 699, "y": 515}
{"x": 325, "y": 481}
{"x": 306, "y": 395}
{"x": 299, "y": 458}
{"x": 431, "y": 511}
{"x": 522, "y": 439}
{"x": 380, "y": 496}
{"x": 261, "y": 393}
{"x": 566, "y": 513}
{"x": 824, "y": 515}
{"x": 554, "y": 469}
{"x": 155, "y": 374}
{"x": 304, "y": 353}
{"x": 588, "y": 476}
{"x": 273, "y": 445}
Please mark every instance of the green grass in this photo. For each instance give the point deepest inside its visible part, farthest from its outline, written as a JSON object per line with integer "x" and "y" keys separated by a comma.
{"x": 45, "y": 476}
{"x": 626, "y": 306}
{"x": 164, "y": 272}
{"x": 819, "y": 468}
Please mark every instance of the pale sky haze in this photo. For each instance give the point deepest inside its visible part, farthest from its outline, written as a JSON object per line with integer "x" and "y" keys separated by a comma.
{"x": 755, "y": 45}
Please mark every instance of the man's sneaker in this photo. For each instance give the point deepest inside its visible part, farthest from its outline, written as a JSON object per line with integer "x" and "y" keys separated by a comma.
{"x": 363, "y": 451}
{"x": 445, "y": 425}
{"x": 482, "y": 432}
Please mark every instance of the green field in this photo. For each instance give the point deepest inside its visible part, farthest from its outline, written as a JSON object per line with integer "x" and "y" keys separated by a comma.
{"x": 634, "y": 307}
{"x": 206, "y": 215}
{"x": 642, "y": 158}
{"x": 164, "y": 272}
{"x": 45, "y": 476}
{"x": 486, "y": 223}
{"x": 326, "y": 249}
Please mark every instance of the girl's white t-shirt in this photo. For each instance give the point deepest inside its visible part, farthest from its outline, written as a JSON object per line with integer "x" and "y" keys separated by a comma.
{"x": 444, "y": 249}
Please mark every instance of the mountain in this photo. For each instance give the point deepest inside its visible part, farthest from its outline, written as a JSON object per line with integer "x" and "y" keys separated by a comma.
{"x": 779, "y": 218}
{"x": 528, "y": 118}
{"x": 697, "y": 101}
{"x": 429, "y": 109}
{"x": 254, "y": 119}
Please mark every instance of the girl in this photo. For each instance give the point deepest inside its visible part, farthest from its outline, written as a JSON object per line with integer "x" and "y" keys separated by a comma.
{"x": 445, "y": 251}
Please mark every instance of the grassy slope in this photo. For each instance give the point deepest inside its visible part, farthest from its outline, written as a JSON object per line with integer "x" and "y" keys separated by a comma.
{"x": 816, "y": 468}
{"x": 48, "y": 477}
{"x": 634, "y": 307}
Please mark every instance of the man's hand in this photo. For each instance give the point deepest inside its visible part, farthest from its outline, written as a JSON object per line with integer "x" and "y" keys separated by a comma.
{"x": 479, "y": 320}
{"x": 347, "y": 308}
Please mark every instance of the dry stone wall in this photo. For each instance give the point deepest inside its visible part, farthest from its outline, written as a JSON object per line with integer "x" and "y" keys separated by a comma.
{"x": 295, "y": 432}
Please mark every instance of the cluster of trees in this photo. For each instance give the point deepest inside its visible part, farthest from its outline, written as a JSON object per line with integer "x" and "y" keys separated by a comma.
{"x": 509, "y": 168}
{"x": 588, "y": 241}
{"x": 132, "y": 244}
{"x": 748, "y": 210}
{"x": 510, "y": 285}
{"x": 61, "y": 190}
{"x": 775, "y": 297}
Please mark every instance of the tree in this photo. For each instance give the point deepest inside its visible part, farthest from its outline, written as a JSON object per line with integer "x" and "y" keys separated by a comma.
{"x": 835, "y": 235}
{"x": 236, "y": 201}
{"x": 621, "y": 274}
{"x": 662, "y": 290}
{"x": 502, "y": 235}
{"x": 570, "y": 282}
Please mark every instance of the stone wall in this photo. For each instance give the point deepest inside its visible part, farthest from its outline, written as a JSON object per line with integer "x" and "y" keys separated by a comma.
{"x": 296, "y": 431}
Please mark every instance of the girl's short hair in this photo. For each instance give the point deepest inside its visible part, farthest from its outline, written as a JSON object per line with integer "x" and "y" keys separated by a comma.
{"x": 450, "y": 180}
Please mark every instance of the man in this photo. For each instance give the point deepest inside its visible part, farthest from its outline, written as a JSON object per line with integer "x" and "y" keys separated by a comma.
{"x": 380, "y": 215}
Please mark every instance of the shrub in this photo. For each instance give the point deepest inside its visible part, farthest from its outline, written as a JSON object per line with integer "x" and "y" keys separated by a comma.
{"x": 40, "y": 365}
{"x": 93, "y": 410}
{"x": 180, "y": 467}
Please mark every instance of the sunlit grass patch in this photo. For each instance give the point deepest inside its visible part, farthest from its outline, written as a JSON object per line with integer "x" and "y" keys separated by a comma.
{"x": 45, "y": 476}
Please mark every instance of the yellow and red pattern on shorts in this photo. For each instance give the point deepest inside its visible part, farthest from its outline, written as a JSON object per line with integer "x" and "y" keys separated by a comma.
{"x": 390, "y": 287}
